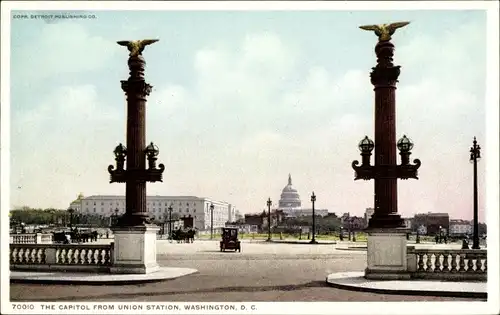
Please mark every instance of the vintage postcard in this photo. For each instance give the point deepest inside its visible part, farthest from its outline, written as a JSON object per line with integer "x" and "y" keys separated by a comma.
{"x": 249, "y": 157}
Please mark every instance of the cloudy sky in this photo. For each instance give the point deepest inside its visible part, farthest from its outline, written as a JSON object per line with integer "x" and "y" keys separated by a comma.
{"x": 241, "y": 99}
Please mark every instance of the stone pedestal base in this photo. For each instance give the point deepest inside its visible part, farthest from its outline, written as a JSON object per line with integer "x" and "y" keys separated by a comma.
{"x": 135, "y": 249}
{"x": 387, "y": 254}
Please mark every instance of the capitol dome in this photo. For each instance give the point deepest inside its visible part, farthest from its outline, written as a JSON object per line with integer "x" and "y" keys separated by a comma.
{"x": 290, "y": 198}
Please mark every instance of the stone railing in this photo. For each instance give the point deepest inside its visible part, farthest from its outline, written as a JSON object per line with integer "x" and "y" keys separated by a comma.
{"x": 33, "y": 238}
{"x": 67, "y": 257}
{"x": 447, "y": 264}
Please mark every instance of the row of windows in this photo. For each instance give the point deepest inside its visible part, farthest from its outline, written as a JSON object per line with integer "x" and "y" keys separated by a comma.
{"x": 154, "y": 210}
{"x": 154, "y": 203}
{"x": 216, "y": 217}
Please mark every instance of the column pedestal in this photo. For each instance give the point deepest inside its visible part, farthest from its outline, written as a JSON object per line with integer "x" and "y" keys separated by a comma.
{"x": 387, "y": 254}
{"x": 135, "y": 249}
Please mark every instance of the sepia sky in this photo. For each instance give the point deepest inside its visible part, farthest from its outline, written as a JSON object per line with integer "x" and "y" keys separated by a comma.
{"x": 243, "y": 98}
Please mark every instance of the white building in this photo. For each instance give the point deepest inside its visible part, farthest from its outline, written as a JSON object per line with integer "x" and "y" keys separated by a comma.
{"x": 157, "y": 206}
{"x": 460, "y": 227}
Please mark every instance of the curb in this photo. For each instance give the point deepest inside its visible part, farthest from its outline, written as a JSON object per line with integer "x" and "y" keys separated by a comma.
{"x": 360, "y": 248}
{"x": 302, "y": 243}
{"x": 104, "y": 279}
{"x": 440, "y": 293}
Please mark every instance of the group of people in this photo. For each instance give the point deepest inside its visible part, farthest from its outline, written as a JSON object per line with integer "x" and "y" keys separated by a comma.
{"x": 75, "y": 236}
{"x": 184, "y": 235}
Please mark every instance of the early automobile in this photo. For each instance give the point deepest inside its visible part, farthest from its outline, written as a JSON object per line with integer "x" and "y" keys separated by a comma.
{"x": 230, "y": 240}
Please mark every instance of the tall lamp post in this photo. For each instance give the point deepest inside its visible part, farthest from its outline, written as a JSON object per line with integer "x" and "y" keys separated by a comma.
{"x": 269, "y": 203}
{"x": 386, "y": 228}
{"x": 313, "y": 240}
{"x": 170, "y": 221}
{"x": 70, "y": 210}
{"x": 475, "y": 155}
{"x": 115, "y": 217}
{"x": 211, "y": 221}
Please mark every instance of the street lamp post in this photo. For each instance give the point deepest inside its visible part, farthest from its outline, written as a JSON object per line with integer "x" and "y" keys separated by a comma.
{"x": 475, "y": 155}
{"x": 170, "y": 221}
{"x": 115, "y": 219}
{"x": 269, "y": 203}
{"x": 313, "y": 240}
{"x": 211, "y": 221}
{"x": 349, "y": 225}
{"x": 385, "y": 172}
{"x": 70, "y": 210}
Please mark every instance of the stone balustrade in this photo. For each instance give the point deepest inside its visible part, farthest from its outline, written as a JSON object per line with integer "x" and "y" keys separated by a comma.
{"x": 447, "y": 264}
{"x": 61, "y": 257}
{"x": 32, "y": 238}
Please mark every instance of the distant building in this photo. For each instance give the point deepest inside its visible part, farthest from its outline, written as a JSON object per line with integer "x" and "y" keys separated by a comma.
{"x": 77, "y": 203}
{"x": 352, "y": 222}
{"x": 157, "y": 206}
{"x": 291, "y": 205}
{"x": 432, "y": 222}
{"x": 422, "y": 230}
{"x": 255, "y": 220}
{"x": 460, "y": 227}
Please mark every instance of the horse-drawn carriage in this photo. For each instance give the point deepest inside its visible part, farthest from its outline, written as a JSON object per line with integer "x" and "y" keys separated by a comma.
{"x": 230, "y": 240}
{"x": 183, "y": 235}
{"x": 74, "y": 236}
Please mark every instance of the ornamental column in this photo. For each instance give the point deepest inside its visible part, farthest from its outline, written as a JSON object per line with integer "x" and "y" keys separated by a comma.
{"x": 135, "y": 236}
{"x": 386, "y": 229}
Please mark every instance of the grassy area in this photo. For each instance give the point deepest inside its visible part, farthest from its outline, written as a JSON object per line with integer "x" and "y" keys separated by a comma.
{"x": 361, "y": 237}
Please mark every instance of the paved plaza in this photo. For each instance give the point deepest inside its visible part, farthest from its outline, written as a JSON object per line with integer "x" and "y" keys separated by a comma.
{"x": 261, "y": 272}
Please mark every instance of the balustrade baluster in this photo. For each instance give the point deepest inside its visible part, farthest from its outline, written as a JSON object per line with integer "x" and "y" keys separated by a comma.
{"x": 27, "y": 253}
{"x": 34, "y": 255}
{"x": 462, "y": 263}
{"x": 20, "y": 256}
{"x": 107, "y": 257}
{"x": 13, "y": 257}
{"x": 69, "y": 255}
{"x": 420, "y": 262}
{"x": 58, "y": 253}
{"x": 470, "y": 263}
{"x": 42, "y": 256}
{"x": 429, "y": 263}
{"x": 478, "y": 265}
{"x": 445, "y": 262}
{"x": 453, "y": 262}
{"x": 93, "y": 260}
{"x": 82, "y": 258}
{"x": 88, "y": 257}
{"x": 62, "y": 257}
{"x": 76, "y": 255}
{"x": 437, "y": 262}
{"x": 99, "y": 256}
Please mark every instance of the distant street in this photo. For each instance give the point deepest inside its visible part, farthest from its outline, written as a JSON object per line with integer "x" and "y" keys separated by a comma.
{"x": 261, "y": 272}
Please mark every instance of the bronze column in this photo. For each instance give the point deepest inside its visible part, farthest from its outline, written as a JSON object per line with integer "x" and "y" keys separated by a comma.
{"x": 386, "y": 171}
{"x": 136, "y": 174}
{"x": 136, "y": 90}
{"x": 384, "y": 78}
